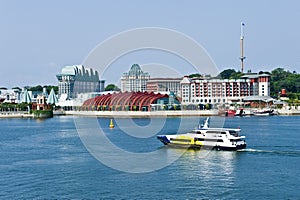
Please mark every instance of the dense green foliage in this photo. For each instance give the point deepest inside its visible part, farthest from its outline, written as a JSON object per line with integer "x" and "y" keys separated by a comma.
{"x": 197, "y": 75}
{"x": 112, "y": 87}
{"x": 14, "y": 107}
{"x": 230, "y": 74}
{"x": 194, "y": 75}
{"x": 39, "y": 88}
{"x": 281, "y": 79}
{"x": 42, "y": 113}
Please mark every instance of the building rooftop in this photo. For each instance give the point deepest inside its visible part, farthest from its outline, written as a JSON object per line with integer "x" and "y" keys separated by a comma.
{"x": 259, "y": 98}
{"x": 135, "y": 70}
{"x": 254, "y": 75}
{"x": 80, "y": 71}
{"x": 165, "y": 79}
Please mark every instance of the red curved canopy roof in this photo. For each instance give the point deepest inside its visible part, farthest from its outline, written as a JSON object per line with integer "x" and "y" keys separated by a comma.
{"x": 124, "y": 101}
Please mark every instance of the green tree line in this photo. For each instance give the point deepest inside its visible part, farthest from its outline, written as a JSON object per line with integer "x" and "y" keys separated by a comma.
{"x": 39, "y": 88}
{"x": 112, "y": 87}
{"x": 282, "y": 79}
{"x": 4, "y": 107}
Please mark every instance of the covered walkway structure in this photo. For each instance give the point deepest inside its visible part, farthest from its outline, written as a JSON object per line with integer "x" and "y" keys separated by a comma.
{"x": 131, "y": 101}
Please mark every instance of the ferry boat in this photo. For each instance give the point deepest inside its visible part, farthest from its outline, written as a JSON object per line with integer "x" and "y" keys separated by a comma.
{"x": 266, "y": 112}
{"x": 205, "y": 137}
{"x": 230, "y": 112}
{"x": 244, "y": 112}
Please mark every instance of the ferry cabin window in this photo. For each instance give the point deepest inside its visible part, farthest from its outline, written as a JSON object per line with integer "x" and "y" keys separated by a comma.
{"x": 234, "y": 133}
{"x": 196, "y": 131}
{"x": 208, "y": 140}
{"x": 212, "y": 132}
{"x": 237, "y": 140}
{"x": 216, "y": 132}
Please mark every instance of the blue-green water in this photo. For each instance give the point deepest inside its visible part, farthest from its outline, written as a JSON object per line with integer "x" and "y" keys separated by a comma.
{"x": 45, "y": 159}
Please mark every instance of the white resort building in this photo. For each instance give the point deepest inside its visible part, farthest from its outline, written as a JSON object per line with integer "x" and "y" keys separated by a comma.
{"x": 163, "y": 85}
{"x": 220, "y": 91}
{"x": 135, "y": 80}
{"x": 77, "y": 79}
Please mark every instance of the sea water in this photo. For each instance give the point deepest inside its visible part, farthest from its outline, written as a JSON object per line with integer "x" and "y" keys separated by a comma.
{"x": 46, "y": 159}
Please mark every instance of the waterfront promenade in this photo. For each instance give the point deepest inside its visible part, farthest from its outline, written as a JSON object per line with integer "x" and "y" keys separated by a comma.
{"x": 168, "y": 113}
{"x": 140, "y": 114}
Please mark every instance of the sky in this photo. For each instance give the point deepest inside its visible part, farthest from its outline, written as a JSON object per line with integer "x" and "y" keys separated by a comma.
{"x": 38, "y": 38}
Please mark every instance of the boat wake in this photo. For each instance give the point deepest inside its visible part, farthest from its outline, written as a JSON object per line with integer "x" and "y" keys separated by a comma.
{"x": 277, "y": 152}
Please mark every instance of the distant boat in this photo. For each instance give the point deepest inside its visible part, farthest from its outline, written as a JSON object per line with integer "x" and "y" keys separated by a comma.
{"x": 266, "y": 112}
{"x": 244, "y": 112}
{"x": 230, "y": 112}
{"x": 205, "y": 137}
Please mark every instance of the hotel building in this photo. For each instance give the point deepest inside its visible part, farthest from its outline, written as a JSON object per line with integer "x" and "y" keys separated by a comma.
{"x": 164, "y": 85}
{"x": 135, "y": 80}
{"x": 214, "y": 91}
{"x": 77, "y": 79}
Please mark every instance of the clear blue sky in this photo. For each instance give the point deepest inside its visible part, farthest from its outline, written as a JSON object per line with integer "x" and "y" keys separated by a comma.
{"x": 38, "y": 38}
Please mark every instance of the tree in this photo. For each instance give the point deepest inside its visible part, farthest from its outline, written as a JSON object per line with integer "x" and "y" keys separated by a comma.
{"x": 194, "y": 75}
{"x": 49, "y": 87}
{"x": 281, "y": 79}
{"x": 236, "y": 75}
{"x": 112, "y": 87}
{"x": 230, "y": 74}
{"x": 37, "y": 88}
{"x": 227, "y": 73}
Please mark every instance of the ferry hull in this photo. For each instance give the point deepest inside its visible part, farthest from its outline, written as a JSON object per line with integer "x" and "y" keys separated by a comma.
{"x": 238, "y": 147}
{"x": 204, "y": 147}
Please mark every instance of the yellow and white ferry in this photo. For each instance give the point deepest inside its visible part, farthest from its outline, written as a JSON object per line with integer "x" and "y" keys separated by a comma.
{"x": 205, "y": 137}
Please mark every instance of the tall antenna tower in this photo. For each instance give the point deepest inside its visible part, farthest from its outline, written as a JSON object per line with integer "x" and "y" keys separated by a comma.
{"x": 242, "y": 58}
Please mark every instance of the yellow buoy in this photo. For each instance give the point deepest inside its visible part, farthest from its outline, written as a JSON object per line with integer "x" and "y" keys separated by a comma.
{"x": 111, "y": 124}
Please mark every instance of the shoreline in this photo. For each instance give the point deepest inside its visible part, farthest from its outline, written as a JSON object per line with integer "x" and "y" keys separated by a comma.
{"x": 138, "y": 114}
{"x": 287, "y": 112}
{"x": 15, "y": 115}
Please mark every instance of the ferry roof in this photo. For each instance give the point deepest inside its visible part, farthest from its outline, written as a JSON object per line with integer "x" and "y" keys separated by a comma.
{"x": 220, "y": 129}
